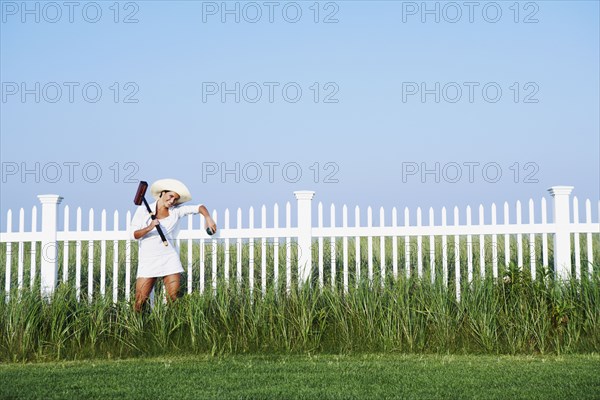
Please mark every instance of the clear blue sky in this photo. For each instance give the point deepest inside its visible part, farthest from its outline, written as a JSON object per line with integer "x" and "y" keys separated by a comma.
{"x": 371, "y": 61}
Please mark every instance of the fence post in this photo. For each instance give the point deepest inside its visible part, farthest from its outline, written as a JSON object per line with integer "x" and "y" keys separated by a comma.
{"x": 304, "y": 202}
{"x": 49, "y": 267}
{"x": 562, "y": 233}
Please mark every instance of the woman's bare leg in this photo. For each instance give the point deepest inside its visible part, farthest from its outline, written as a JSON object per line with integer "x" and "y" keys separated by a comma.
{"x": 143, "y": 287}
{"x": 172, "y": 284}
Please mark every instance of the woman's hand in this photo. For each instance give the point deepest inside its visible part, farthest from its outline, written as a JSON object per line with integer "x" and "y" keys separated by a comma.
{"x": 210, "y": 224}
{"x": 144, "y": 231}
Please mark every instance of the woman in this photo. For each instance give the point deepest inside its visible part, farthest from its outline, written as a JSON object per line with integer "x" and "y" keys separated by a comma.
{"x": 155, "y": 260}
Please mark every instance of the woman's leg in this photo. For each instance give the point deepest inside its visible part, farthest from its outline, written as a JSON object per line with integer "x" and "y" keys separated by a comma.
{"x": 172, "y": 283}
{"x": 143, "y": 287}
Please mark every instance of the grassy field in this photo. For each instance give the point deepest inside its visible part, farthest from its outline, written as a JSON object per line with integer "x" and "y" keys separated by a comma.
{"x": 309, "y": 377}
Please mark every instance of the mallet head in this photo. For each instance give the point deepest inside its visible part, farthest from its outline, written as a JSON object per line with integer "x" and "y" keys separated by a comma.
{"x": 141, "y": 192}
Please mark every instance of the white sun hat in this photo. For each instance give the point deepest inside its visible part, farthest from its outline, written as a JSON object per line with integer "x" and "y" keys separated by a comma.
{"x": 171, "y": 185}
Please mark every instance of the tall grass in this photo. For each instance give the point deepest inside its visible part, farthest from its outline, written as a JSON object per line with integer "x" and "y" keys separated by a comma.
{"x": 511, "y": 315}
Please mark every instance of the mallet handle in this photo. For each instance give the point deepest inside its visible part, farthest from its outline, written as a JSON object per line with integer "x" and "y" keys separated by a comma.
{"x": 160, "y": 232}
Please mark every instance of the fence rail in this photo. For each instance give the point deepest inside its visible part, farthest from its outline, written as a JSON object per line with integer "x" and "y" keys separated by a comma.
{"x": 436, "y": 250}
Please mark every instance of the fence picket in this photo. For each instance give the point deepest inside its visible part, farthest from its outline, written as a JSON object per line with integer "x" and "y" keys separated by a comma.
{"x": 238, "y": 252}
{"x": 576, "y": 239}
{"x": 395, "y": 244}
{"x": 33, "y": 249}
{"x": 444, "y": 250}
{"x": 90, "y": 264}
{"x": 288, "y": 249}
{"x": 481, "y": 244}
{"x": 226, "y": 249}
{"x": 469, "y": 249}
{"x": 431, "y": 248}
{"x": 544, "y": 235}
{"x": 263, "y": 252}
{"x": 276, "y": 249}
{"x": 115, "y": 280}
{"x": 190, "y": 247}
{"x": 519, "y": 238}
{"x": 382, "y": 247}
{"x": 8, "y": 261}
{"x": 332, "y": 248}
{"x": 357, "y": 245}
{"x": 345, "y": 247}
{"x": 320, "y": 244}
{"x": 21, "y": 247}
{"x": 506, "y": 238}
{"x": 370, "y": 245}
{"x": 128, "y": 244}
{"x": 457, "y": 255}
{"x": 65, "y": 276}
{"x": 494, "y": 244}
{"x": 406, "y": 244}
{"x": 251, "y": 252}
{"x": 78, "y": 251}
{"x": 103, "y": 255}
{"x": 419, "y": 246}
{"x": 213, "y": 243}
{"x": 532, "y": 241}
{"x": 202, "y": 282}
{"x": 590, "y": 255}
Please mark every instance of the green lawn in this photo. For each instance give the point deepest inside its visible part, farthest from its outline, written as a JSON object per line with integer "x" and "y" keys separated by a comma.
{"x": 309, "y": 377}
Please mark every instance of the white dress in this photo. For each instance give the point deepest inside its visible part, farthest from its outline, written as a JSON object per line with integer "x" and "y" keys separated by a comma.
{"x": 154, "y": 258}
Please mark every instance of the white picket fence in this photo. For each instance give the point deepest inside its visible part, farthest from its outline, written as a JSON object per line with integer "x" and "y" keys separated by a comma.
{"x": 308, "y": 242}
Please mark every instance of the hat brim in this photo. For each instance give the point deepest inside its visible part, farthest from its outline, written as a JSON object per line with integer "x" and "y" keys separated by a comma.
{"x": 171, "y": 185}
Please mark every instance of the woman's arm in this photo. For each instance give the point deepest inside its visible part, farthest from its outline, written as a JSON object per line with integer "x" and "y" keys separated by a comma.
{"x": 209, "y": 221}
{"x": 183, "y": 210}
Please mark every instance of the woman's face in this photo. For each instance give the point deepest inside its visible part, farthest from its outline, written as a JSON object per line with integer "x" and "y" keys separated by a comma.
{"x": 169, "y": 199}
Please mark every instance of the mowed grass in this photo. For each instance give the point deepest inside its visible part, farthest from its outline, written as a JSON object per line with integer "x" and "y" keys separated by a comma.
{"x": 309, "y": 377}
